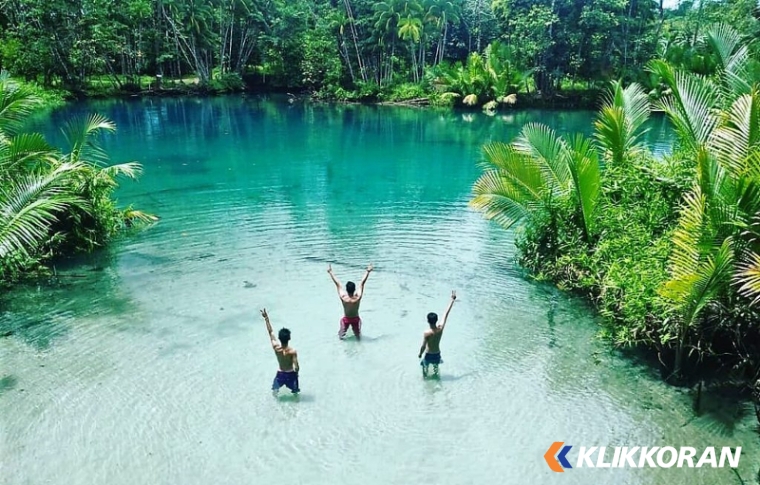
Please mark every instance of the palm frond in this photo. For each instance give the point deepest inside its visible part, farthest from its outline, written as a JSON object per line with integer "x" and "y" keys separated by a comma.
{"x": 739, "y": 136}
{"x": 25, "y": 150}
{"x": 748, "y": 276}
{"x": 497, "y": 199}
{"x": 511, "y": 187}
{"x": 585, "y": 171}
{"x": 637, "y": 108}
{"x": 690, "y": 106}
{"x": 131, "y": 170}
{"x": 725, "y": 40}
{"x": 81, "y": 137}
{"x": 16, "y": 104}
{"x": 734, "y": 57}
{"x": 521, "y": 171}
{"x": 611, "y": 132}
{"x": 30, "y": 205}
{"x": 693, "y": 224}
{"x": 545, "y": 146}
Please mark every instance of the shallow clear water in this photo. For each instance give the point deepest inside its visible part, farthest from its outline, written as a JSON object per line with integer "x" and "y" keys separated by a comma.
{"x": 148, "y": 362}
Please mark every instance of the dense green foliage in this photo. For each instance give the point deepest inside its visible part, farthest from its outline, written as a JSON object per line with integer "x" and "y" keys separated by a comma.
{"x": 53, "y": 202}
{"x": 481, "y": 51}
{"x": 667, "y": 249}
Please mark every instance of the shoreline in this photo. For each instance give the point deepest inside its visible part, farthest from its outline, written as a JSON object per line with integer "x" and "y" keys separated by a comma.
{"x": 566, "y": 100}
{"x": 707, "y": 376}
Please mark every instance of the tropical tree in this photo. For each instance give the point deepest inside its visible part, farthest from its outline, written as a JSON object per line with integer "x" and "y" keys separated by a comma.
{"x": 718, "y": 123}
{"x": 48, "y": 198}
{"x": 524, "y": 179}
{"x": 621, "y": 122}
{"x": 442, "y": 13}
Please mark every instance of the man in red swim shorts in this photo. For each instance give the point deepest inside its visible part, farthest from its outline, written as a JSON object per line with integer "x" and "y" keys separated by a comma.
{"x": 351, "y": 299}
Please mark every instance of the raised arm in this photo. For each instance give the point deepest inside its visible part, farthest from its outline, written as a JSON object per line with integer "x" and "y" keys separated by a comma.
{"x": 365, "y": 278}
{"x": 272, "y": 336}
{"x": 451, "y": 304}
{"x": 335, "y": 280}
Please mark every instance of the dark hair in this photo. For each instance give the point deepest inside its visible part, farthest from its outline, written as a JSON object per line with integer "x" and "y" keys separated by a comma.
{"x": 350, "y": 288}
{"x": 284, "y": 336}
{"x": 432, "y": 319}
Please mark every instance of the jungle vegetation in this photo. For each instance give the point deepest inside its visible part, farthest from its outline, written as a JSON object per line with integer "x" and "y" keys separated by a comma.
{"x": 474, "y": 52}
{"x": 52, "y": 201}
{"x": 668, "y": 249}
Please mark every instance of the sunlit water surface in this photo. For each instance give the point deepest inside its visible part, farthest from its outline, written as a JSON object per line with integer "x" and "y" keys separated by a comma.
{"x": 148, "y": 363}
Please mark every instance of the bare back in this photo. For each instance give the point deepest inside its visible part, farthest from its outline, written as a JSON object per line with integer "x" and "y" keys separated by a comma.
{"x": 285, "y": 357}
{"x": 433, "y": 339}
{"x": 351, "y": 304}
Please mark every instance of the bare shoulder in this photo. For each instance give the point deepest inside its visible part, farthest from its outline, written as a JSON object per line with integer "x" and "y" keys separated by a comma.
{"x": 428, "y": 333}
{"x": 292, "y": 351}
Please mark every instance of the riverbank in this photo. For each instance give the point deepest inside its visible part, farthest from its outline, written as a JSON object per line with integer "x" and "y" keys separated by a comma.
{"x": 405, "y": 94}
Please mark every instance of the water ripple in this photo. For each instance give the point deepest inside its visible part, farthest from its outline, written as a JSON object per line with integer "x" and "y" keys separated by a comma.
{"x": 148, "y": 362}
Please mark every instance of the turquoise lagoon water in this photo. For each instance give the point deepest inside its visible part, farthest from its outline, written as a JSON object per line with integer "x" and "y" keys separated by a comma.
{"x": 147, "y": 363}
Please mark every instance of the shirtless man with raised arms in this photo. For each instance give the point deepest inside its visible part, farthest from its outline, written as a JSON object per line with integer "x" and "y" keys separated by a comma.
{"x": 431, "y": 340}
{"x": 351, "y": 301}
{"x": 287, "y": 358}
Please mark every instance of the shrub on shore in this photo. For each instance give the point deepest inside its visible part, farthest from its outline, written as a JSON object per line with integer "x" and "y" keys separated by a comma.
{"x": 54, "y": 202}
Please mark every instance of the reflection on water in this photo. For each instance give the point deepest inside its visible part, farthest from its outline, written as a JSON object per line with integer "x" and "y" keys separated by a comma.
{"x": 148, "y": 362}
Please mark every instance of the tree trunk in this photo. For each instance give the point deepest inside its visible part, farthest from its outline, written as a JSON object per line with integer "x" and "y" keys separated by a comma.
{"x": 662, "y": 21}
{"x": 699, "y": 21}
{"x": 351, "y": 22}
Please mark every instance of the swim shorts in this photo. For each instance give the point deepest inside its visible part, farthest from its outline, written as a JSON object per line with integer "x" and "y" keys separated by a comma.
{"x": 288, "y": 379}
{"x": 354, "y": 322}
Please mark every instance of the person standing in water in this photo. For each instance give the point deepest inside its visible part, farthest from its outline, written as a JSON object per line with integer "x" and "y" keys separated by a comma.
{"x": 431, "y": 340}
{"x": 351, "y": 299}
{"x": 287, "y": 358}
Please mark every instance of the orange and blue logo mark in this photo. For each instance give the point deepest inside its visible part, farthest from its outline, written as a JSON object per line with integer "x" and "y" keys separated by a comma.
{"x": 558, "y": 462}
{"x": 641, "y": 457}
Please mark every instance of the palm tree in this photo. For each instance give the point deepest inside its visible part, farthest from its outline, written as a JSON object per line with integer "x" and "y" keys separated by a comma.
{"x": 523, "y": 178}
{"x": 718, "y": 123}
{"x": 386, "y": 18}
{"x": 47, "y": 196}
{"x": 747, "y": 277}
{"x": 411, "y": 28}
{"x": 441, "y": 13}
{"x": 33, "y": 186}
{"x": 620, "y": 124}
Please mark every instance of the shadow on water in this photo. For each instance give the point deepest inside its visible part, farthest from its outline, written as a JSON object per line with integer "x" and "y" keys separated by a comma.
{"x": 33, "y": 330}
{"x": 8, "y": 383}
{"x": 41, "y": 313}
{"x": 447, "y": 377}
{"x": 366, "y": 338}
{"x": 293, "y": 398}
{"x": 452, "y": 378}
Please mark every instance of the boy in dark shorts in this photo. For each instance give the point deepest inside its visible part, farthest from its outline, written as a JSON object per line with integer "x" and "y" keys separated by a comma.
{"x": 287, "y": 358}
{"x": 431, "y": 340}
